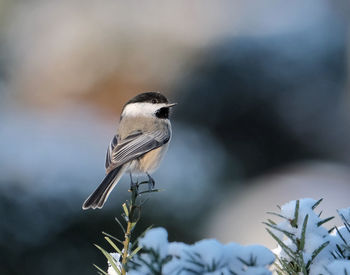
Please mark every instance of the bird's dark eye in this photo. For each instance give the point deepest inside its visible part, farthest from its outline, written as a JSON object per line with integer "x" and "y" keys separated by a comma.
{"x": 154, "y": 101}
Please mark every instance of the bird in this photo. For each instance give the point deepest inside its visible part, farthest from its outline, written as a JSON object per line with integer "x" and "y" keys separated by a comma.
{"x": 139, "y": 145}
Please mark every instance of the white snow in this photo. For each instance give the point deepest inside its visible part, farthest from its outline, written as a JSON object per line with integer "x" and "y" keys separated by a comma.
{"x": 156, "y": 239}
{"x": 315, "y": 235}
{"x": 116, "y": 257}
{"x": 344, "y": 212}
{"x": 207, "y": 256}
{"x": 339, "y": 267}
{"x": 210, "y": 257}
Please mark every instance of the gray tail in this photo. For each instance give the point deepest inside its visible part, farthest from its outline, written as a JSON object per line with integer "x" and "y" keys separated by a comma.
{"x": 98, "y": 198}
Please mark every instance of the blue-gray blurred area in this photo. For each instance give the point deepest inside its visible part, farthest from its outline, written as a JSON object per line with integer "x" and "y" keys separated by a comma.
{"x": 261, "y": 86}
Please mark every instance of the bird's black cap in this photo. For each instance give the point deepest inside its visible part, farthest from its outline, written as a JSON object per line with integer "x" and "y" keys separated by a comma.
{"x": 150, "y": 97}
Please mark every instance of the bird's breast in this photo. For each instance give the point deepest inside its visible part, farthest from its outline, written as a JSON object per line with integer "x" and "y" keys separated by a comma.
{"x": 150, "y": 161}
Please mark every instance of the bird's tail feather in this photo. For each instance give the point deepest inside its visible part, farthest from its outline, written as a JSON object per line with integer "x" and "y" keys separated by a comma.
{"x": 100, "y": 195}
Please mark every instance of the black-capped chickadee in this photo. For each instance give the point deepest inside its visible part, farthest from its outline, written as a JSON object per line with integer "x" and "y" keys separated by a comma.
{"x": 141, "y": 141}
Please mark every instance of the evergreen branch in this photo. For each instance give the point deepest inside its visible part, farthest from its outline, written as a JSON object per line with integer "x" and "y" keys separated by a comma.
{"x": 151, "y": 191}
{"x": 100, "y": 270}
{"x": 316, "y": 252}
{"x": 341, "y": 235}
{"x": 317, "y": 203}
{"x": 294, "y": 222}
{"x": 340, "y": 251}
{"x": 120, "y": 224}
{"x": 288, "y": 234}
{"x": 324, "y": 221}
{"x": 302, "y": 239}
{"x": 286, "y": 249}
{"x": 331, "y": 230}
{"x": 137, "y": 249}
{"x": 278, "y": 215}
{"x": 112, "y": 237}
{"x": 109, "y": 258}
{"x": 131, "y": 222}
{"x": 113, "y": 245}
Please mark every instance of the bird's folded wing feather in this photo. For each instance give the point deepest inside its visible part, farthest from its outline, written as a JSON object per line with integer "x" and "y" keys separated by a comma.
{"x": 134, "y": 146}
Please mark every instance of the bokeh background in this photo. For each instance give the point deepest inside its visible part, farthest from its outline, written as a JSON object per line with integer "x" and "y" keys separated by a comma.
{"x": 262, "y": 118}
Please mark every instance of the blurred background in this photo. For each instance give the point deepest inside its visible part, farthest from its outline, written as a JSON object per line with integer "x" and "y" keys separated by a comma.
{"x": 262, "y": 118}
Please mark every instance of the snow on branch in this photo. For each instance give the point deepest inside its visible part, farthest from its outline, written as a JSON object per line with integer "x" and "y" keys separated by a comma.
{"x": 207, "y": 256}
{"x": 304, "y": 247}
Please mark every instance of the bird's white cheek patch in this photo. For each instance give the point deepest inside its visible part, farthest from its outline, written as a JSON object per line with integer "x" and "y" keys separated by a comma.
{"x": 136, "y": 109}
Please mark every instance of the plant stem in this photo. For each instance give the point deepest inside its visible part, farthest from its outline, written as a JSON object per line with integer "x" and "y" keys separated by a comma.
{"x": 131, "y": 222}
{"x": 126, "y": 247}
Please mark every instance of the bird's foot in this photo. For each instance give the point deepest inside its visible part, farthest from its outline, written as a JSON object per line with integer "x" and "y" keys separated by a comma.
{"x": 151, "y": 182}
{"x": 133, "y": 184}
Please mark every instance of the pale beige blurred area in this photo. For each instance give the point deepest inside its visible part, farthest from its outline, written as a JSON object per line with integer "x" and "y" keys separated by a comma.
{"x": 104, "y": 52}
{"x": 63, "y": 50}
{"x": 239, "y": 218}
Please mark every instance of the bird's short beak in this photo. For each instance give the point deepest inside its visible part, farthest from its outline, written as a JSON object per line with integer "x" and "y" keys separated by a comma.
{"x": 170, "y": 105}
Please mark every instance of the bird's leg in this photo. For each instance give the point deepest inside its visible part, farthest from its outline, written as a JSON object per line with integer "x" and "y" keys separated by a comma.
{"x": 132, "y": 183}
{"x": 151, "y": 182}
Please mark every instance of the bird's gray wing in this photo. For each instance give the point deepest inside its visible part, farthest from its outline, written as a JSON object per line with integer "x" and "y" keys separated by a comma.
{"x": 114, "y": 143}
{"x": 134, "y": 146}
